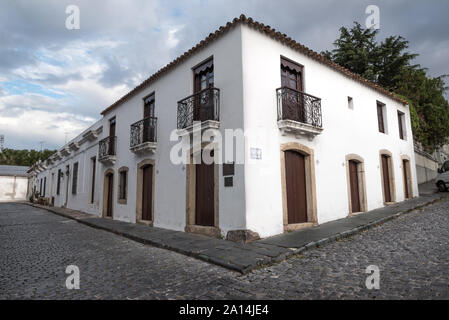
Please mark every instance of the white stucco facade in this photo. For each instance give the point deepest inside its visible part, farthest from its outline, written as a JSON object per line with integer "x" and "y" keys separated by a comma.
{"x": 246, "y": 67}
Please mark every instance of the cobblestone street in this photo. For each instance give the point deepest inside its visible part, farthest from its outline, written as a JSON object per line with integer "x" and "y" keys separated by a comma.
{"x": 36, "y": 246}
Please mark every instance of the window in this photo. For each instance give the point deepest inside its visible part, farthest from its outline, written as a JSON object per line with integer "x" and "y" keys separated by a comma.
{"x": 401, "y": 123}
{"x": 45, "y": 184}
{"x": 75, "y": 178}
{"x": 380, "y": 116}
{"x": 58, "y": 184}
{"x": 40, "y": 187}
{"x": 350, "y": 103}
{"x": 123, "y": 181}
{"x": 148, "y": 107}
{"x": 93, "y": 162}
{"x": 291, "y": 75}
{"x": 446, "y": 166}
{"x": 123, "y": 185}
{"x": 204, "y": 76}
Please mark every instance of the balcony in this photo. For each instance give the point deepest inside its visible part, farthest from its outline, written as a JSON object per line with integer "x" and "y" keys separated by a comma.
{"x": 107, "y": 150}
{"x": 203, "y": 106}
{"x": 143, "y": 136}
{"x": 299, "y": 113}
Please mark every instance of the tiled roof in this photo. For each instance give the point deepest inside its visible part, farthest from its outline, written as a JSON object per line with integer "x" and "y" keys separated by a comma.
{"x": 19, "y": 171}
{"x": 281, "y": 37}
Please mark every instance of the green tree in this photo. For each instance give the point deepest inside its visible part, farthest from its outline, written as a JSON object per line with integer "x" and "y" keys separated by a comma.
{"x": 390, "y": 65}
{"x": 23, "y": 157}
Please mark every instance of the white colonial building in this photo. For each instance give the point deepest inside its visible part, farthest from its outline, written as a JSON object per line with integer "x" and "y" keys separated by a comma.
{"x": 320, "y": 143}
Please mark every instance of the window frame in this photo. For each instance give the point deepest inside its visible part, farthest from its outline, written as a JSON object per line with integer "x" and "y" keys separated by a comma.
{"x": 401, "y": 124}
{"x": 93, "y": 164}
{"x": 381, "y": 117}
{"x": 122, "y": 190}
{"x": 75, "y": 178}
{"x": 58, "y": 183}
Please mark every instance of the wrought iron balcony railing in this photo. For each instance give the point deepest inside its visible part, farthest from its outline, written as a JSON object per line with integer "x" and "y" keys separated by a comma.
{"x": 143, "y": 131}
{"x": 107, "y": 147}
{"x": 299, "y": 106}
{"x": 201, "y": 106}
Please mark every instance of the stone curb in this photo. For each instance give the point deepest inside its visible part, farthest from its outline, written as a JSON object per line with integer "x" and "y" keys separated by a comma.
{"x": 243, "y": 269}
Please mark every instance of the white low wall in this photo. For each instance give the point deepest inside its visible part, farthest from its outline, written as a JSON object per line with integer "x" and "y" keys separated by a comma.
{"x": 13, "y": 188}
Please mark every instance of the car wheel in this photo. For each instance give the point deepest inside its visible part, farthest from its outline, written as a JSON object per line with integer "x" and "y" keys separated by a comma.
{"x": 441, "y": 186}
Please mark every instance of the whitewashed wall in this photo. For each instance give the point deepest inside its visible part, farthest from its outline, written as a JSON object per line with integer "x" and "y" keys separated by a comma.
{"x": 13, "y": 188}
{"x": 170, "y": 179}
{"x": 247, "y": 72}
{"x": 345, "y": 131}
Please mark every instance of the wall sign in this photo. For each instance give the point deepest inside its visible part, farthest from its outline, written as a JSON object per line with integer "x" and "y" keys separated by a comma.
{"x": 256, "y": 153}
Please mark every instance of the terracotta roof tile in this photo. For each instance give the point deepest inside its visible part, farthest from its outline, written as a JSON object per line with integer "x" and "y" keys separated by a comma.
{"x": 282, "y": 37}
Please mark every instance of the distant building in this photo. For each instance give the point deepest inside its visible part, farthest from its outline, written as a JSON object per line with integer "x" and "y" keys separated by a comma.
{"x": 2, "y": 141}
{"x": 13, "y": 183}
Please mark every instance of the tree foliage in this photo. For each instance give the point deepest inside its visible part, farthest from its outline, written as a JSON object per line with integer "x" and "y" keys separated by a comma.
{"x": 390, "y": 65}
{"x": 23, "y": 157}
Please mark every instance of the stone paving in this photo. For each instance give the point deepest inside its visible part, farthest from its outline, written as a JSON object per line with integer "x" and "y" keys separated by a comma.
{"x": 246, "y": 257}
{"x": 36, "y": 246}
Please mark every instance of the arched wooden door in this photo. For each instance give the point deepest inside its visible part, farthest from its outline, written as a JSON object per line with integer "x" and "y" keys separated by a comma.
{"x": 147, "y": 192}
{"x": 109, "y": 196}
{"x": 405, "y": 165}
{"x": 295, "y": 175}
{"x": 386, "y": 177}
{"x": 354, "y": 186}
{"x": 204, "y": 194}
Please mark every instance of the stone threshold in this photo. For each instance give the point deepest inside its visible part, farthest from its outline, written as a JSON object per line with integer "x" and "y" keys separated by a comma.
{"x": 241, "y": 257}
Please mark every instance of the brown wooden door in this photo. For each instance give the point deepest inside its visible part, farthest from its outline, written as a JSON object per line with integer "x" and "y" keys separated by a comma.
{"x": 406, "y": 186}
{"x": 354, "y": 186}
{"x": 295, "y": 175}
{"x": 386, "y": 178}
{"x": 204, "y": 195}
{"x": 293, "y": 101}
{"x": 110, "y": 180}
{"x": 111, "y": 135}
{"x": 147, "y": 193}
{"x": 204, "y": 103}
{"x": 148, "y": 125}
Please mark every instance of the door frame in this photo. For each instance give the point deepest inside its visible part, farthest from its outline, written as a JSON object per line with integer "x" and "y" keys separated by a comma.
{"x": 105, "y": 193}
{"x": 361, "y": 181}
{"x": 191, "y": 192}
{"x": 66, "y": 192}
{"x": 139, "y": 192}
{"x": 308, "y": 154}
{"x": 407, "y": 184}
{"x": 385, "y": 152}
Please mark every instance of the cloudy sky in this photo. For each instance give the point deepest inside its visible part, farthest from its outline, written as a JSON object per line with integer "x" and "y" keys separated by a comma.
{"x": 54, "y": 82}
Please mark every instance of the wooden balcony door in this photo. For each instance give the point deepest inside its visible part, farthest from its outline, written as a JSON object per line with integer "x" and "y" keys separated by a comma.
{"x": 204, "y": 103}
{"x": 111, "y": 136}
{"x": 354, "y": 186}
{"x": 295, "y": 175}
{"x": 292, "y": 102}
{"x": 147, "y": 192}
{"x": 204, "y": 194}
{"x": 148, "y": 127}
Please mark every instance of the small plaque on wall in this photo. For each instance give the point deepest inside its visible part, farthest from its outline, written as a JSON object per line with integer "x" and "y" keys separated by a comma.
{"x": 228, "y": 181}
{"x": 228, "y": 169}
